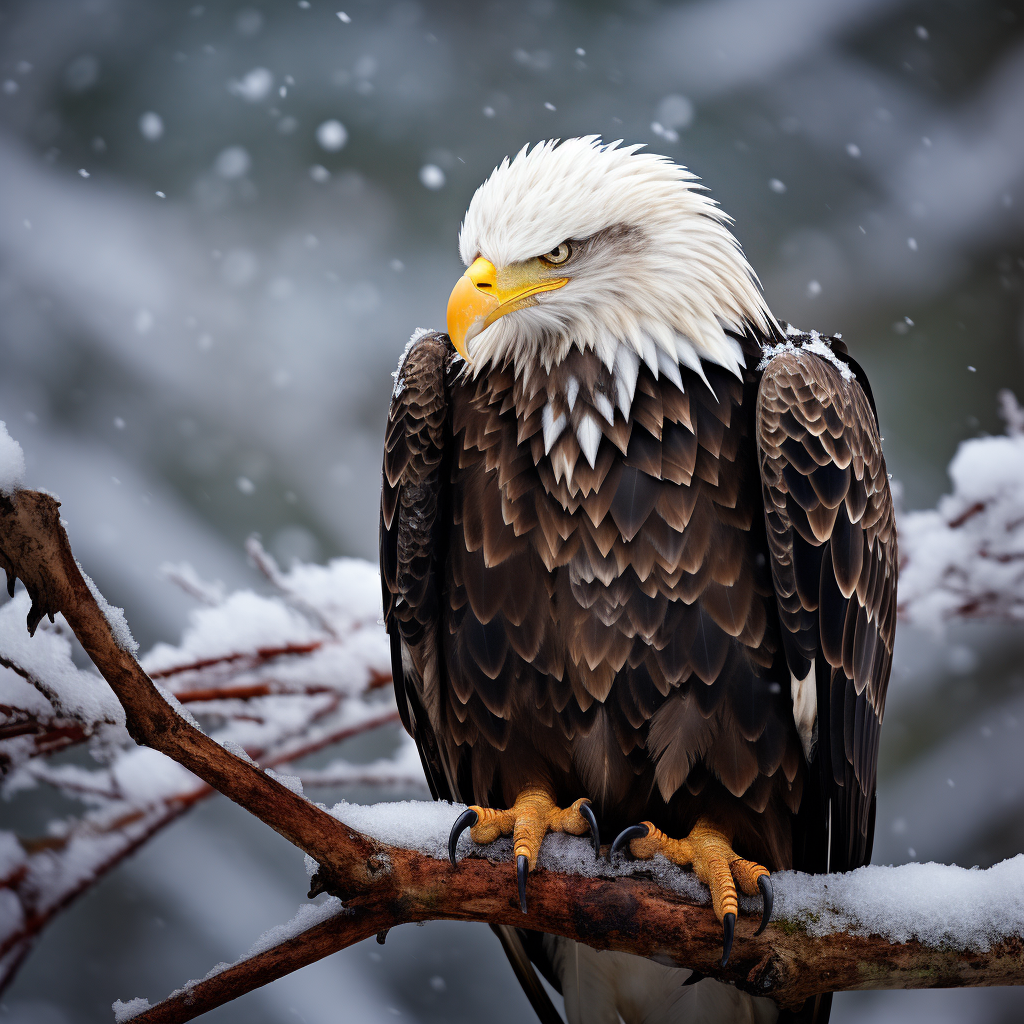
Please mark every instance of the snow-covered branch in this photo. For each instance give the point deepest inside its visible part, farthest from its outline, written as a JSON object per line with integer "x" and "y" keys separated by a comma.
{"x": 965, "y": 558}
{"x": 275, "y": 678}
{"x": 916, "y": 926}
{"x": 263, "y": 677}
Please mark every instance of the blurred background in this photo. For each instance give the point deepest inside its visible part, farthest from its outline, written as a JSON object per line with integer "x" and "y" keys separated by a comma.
{"x": 220, "y": 222}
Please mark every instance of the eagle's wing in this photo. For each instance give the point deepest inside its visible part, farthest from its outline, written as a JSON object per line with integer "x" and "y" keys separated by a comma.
{"x": 414, "y": 509}
{"x": 412, "y": 530}
{"x": 832, "y": 540}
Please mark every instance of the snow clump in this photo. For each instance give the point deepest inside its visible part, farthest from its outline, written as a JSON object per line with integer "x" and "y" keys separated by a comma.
{"x": 966, "y": 556}
{"x": 115, "y": 617}
{"x": 126, "y": 1011}
{"x": 12, "y": 462}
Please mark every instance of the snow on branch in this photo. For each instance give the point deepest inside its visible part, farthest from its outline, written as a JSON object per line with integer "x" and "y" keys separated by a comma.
{"x": 965, "y": 558}
{"x": 916, "y": 926}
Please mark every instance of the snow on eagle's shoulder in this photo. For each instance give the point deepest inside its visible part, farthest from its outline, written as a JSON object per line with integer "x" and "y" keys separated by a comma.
{"x": 813, "y": 342}
{"x": 396, "y": 374}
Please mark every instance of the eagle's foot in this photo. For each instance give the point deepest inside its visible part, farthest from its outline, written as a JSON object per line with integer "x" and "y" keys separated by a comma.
{"x": 709, "y": 851}
{"x": 533, "y": 815}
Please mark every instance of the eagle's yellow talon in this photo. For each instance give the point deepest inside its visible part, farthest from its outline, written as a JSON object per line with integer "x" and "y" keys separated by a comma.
{"x": 709, "y": 852}
{"x": 746, "y": 873}
{"x": 490, "y": 824}
{"x": 533, "y": 815}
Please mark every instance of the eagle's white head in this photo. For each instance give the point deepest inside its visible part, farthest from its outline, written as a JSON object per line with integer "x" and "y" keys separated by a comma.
{"x": 599, "y": 247}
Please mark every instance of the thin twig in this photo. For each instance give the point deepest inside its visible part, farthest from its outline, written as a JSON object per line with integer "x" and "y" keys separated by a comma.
{"x": 267, "y": 564}
{"x": 257, "y": 657}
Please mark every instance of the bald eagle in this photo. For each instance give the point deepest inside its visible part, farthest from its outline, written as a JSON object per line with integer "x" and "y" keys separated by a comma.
{"x": 638, "y": 559}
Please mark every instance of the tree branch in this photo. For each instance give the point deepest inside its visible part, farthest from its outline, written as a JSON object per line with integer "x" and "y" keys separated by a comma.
{"x": 386, "y": 885}
{"x": 323, "y": 939}
{"x": 633, "y": 914}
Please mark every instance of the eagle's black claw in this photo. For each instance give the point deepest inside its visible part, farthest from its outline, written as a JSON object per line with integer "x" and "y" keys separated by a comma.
{"x": 623, "y": 838}
{"x": 728, "y": 928}
{"x": 764, "y": 883}
{"x": 522, "y": 867}
{"x": 587, "y": 812}
{"x": 467, "y": 819}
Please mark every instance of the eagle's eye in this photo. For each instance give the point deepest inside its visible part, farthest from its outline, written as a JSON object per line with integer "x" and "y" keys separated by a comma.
{"x": 559, "y": 254}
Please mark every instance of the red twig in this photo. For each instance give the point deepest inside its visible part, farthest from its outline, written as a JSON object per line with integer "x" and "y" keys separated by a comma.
{"x": 140, "y": 824}
{"x": 260, "y": 656}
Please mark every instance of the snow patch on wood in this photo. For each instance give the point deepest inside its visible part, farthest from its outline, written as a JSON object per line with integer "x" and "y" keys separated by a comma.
{"x": 934, "y": 904}
{"x": 124, "y": 1012}
{"x": 114, "y": 616}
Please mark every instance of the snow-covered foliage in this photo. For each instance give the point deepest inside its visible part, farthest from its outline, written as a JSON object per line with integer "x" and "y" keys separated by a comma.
{"x": 966, "y": 557}
{"x": 40, "y": 684}
{"x": 271, "y": 677}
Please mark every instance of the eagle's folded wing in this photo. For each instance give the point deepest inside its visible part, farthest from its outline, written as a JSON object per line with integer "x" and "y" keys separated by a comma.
{"x": 832, "y": 539}
{"x": 412, "y": 529}
{"x": 413, "y": 513}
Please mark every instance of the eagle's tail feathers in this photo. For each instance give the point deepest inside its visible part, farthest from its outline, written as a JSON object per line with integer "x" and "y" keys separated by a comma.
{"x": 512, "y": 942}
{"x": 609, "y": 988}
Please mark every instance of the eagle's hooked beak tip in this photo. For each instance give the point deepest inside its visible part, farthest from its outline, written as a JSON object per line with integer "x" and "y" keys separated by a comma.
{"x": 472, "y": 301}
{"x": 479, "y": 298}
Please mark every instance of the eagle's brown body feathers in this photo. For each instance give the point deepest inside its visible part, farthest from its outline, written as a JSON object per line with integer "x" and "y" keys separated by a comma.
{"x": 629, "y": 630}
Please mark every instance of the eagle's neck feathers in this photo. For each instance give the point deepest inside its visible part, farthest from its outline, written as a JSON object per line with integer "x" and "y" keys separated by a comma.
{"x": 590, "y": 395}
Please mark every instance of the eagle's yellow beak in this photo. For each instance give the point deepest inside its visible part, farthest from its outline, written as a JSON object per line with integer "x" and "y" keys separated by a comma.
{"x": 484, "y": 293}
